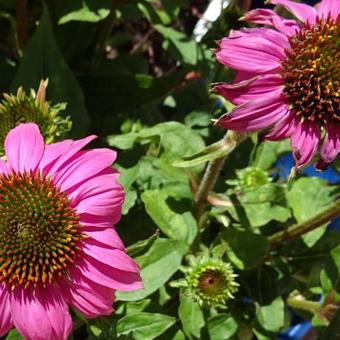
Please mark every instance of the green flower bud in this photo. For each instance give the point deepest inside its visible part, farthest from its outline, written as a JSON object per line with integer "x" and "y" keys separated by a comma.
{"x": 22, "y": 108}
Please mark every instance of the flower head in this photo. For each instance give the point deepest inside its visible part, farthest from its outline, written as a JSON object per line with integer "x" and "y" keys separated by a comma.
{"x": 287, "y": 78}
{"x": 58, "y": 246}
{"x": 210, "y": 280}
{"x": 32, "y": 107}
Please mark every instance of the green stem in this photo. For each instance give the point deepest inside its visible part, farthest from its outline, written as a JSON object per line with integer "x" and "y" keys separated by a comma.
{"x": 305, "y": 305}
{"x": 231, "y": 139}
{"x": 304, "y": 227}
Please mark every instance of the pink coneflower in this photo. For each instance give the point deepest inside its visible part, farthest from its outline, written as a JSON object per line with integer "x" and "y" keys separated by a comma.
{"x": 287, "y": 78}
{"x": 58, "y": 247}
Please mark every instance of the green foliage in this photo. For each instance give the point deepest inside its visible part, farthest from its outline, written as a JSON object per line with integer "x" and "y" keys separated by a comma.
{"x": 132, "y": 73}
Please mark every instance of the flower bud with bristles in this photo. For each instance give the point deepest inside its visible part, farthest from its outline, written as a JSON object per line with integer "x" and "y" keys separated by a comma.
{"x": 210, "y": 280}
{"x": 32, "y": 107}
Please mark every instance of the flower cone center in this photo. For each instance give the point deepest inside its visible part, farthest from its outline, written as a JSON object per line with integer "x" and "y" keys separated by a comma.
{"x": 212, "y": 282}
{"x": 39, "y": 230}
{"x": 312, "y": 72}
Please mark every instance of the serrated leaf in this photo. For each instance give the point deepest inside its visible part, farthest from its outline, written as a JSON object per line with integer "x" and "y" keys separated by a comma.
{"x": 85, "y": 10}
{"x": 271, "y": 317}
{"x": 144, "y": 326}
{"x": 157, "y": 266}
{"x": 245, "y": 249}
{"x": 191, "y": 316}
{"x": 181, "y": 227}
{"x": 221, "y": 327}
{"x": 317, "y": 195}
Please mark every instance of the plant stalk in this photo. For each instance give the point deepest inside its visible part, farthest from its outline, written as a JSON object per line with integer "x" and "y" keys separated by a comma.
{"x": 232, "y": 139}
{"x": 305, "y": 305}
{"x": 304, "y": 227}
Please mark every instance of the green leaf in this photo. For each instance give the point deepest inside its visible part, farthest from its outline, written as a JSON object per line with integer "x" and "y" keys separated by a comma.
{"x": 272, "y": 317}
{"x": 245, "y": 249}
{"x": 177, "y": 139}
{"x": 144, "y": 326}
{"x": 42, "y": 59}
{"x": 180, "y": 46}
{"x": 181, "y": 227}
{"x": 191, "y": 316}
{"x": 14, "y": 335}
{"x": 85, "y": 10}
{"x": 221, "y": 327}
{"x": 157, "y": 266}
{"x": 142, "y": 246}
{"x": 268, "y": 152}
{"x": 307, "y": 197}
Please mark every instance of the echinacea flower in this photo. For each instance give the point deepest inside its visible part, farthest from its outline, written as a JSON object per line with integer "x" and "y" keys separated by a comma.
{"x": 287, "y": 78}
{"x": 58, "y": 247}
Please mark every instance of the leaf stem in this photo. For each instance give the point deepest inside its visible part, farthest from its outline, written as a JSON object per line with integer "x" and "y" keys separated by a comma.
{"x": 304, "y": 227}
{"x": 305, "y": 305}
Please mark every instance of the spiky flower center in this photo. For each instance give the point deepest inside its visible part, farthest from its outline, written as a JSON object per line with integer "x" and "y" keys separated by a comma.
{"x": 39, "y": 230}
{"x": 212, "y": 282}
{"x": 312, "y": 72}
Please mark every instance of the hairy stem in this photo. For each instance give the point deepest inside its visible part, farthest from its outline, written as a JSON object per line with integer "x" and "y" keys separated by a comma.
{"x": 304, "y": 227}
{"x": 212, "y": 172}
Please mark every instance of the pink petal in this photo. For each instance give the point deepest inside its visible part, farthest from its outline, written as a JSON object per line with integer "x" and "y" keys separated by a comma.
{"x": 303, "y": 12}
{"x": 328, "y": 7}
{"x": 101, "y": 195}
{"x": 40, "y": 315}
{"x": 3, "y": 167}
{"x": 282, "y": 129}
{"x": 6, "y": 322}
{"x": 63, "y": 152}
{"x": 89, "y": 220}
{"x": 255, "y": 115}
{"x": 331, "y": 144}
{"x": 268, "y": 17}
{"x": 110, "y": 256}
{"x": 88, "y": 297}
{"x": 52, "y": 153}
{"x": 24, "y": 147}
{"x": 256, "y": 52}
{"x": 107, "y": 236}
{"x": 250, "y": 89}
{"x": 107, "y": 276}
{"x": 84, "y": 165}
{"x": 305, "y": 140}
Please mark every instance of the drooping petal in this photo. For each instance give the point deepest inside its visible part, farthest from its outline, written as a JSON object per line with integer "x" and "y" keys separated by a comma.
{"x": 328, "y": 7}
{"x": 110, "y": 256}
{"x": 250, "y": 89}
{"x": 305, "y": 139}
{"x": 282, "y": 129}
{"x": 269, "y": 17}
{"x": 331, "y": 145}
{"x": 6, "y": 322}
{"x": 255, "y": 53}
{"x": 24, "y": 147}
{"x": 301, "y": 11}
{"x": 88, "y": 297}
{"x": 256, "y": 114}
{"x": 85, "y": 164}
{"x": 107, "y": 276}
{"x": 39, "y": 318}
